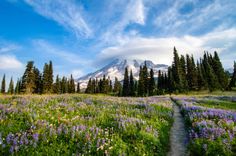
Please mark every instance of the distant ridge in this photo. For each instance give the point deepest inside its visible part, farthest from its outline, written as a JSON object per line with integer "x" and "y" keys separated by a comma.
{"x": 117, "y": 68}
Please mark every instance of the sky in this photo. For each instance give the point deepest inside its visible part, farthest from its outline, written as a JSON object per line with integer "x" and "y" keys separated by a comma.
{"x": 80, "y": 36}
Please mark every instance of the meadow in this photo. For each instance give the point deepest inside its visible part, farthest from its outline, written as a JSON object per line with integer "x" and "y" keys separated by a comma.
{"x": 81, "y": 124}
{"x": 84, "y": 125}
{"x": 211, "y": 124}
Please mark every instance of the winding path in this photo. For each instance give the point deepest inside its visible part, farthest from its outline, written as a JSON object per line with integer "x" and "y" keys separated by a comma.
{"x": 177, "y": 135}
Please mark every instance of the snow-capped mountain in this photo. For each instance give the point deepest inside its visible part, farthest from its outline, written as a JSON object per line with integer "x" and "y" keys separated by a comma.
{"x": 117, "y": 69}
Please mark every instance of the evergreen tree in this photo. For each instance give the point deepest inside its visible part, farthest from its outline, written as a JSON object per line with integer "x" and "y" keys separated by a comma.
{"x": 110, "y": 86}
{"x": 64, "y": 87}
{"x": 97, "y": 86}
{"x": 78, "y": 88}
{"x": 131, "y": 84}
{"x": 28, "y": 79}
{"x": 89, "y": 87}
{"x": 141, "y": 82}
{"x": 170, "y": 80}
{"x": 210, "y": 76}
{"x": 50, "y": 77}
{"x": 17, "y": 88}
{"x": 106, "y": 85}
{"x": 117, "y": 87}
{"x": 165, "y": 86}
{"x": 183, "y": 72}
{"x": 11, "y": 87}
{"x": 233, "y": 78}
{"x": 100, "y": 86}
{"x": 201, "y": 83}
{"x": 38, "y": 81}
{"x": 67, "y": 85}
{"x": 191, "y": 73}
{"x": 57, "y": 85}
{"x": 135, "y": 88}
{"x": 125, "y": 91}
{"x": 159, "y": 83}
{"x": 3, "y": 86}
{"x": 151, "y": 87}
{"x": 46, "y": 78}
{"x": 145, "y": 79}
{"x": 71, "y": 85}
{"x": 93, "y": 88}
{"x": 219, "y": 72}
{"x": 176, "y": 72}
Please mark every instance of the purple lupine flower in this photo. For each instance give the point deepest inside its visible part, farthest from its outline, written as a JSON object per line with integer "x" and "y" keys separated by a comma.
{"x": 15, "y": 140}
{"x": 11, "y": 150}
{"x": 36, "y": 137}
{"x": 26, "y": 141}
{"x": 9, "y": 138}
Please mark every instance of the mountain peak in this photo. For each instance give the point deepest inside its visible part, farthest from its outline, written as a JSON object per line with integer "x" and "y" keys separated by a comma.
{"x": 117, "y": 68}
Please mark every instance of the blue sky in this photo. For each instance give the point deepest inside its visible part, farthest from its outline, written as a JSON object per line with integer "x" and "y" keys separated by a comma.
{"x": 80, "y": 36}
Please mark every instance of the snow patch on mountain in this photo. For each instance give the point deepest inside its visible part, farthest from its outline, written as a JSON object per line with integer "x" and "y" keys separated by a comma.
{"x": 117, "y": 68}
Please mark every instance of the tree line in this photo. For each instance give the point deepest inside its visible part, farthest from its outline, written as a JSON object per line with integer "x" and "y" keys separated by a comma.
{"x": 183, "y": 75}
{"x": 35, "y": 82}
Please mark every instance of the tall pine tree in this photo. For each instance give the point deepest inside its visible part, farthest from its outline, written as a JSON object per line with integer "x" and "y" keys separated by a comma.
{"x": 38, "y": 81}
{"x": 145, "y": 78}
{"x": 28, "y": 79}
{"x": 141, "y": 82}
{"x": 117, "y": 87}
{"x": 50, "y": 77}
{"x": 151, "y": 88}
{"x": 3, "y": 86}
{"x": 209, "y": 73}
{"x": 219, "y": 72}
{"x": 201, "y": 83}
{"x": 125, "y": 91}
{"x": 11, "y": 87}
{"x": 191, "y": 73}
{"x": 183, "y": 72}
{"x": 57, "y": 85}
{"x": 233, "y": 78}
{"x": 176, "y": 72}
{"x": 131, "y": 84}
{"x": 17, "y": 88}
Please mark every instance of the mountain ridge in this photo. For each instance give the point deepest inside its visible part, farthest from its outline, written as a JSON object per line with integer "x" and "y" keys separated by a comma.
{"x": 117, "y": 68}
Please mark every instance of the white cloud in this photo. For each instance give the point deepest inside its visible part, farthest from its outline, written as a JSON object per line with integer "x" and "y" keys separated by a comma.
{"x": 66, "y": 13}
{"x": 6, "y": 46}
{"x": 202, "y": 16}
{"x": 8, "y": 62}
{"x": 160, "y": 50}
{"x": 134, "y": 12}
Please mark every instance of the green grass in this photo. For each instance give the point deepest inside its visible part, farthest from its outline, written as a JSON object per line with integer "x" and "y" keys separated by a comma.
{"x": 220, "y": 104}
{"x": 84, "y": 124}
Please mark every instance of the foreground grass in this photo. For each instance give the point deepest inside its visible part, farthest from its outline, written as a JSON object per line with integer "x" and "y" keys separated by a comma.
{"x": 83, "y": 124}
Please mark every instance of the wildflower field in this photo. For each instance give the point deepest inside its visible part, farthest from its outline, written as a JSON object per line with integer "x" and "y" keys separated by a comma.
{"x": 211, "y": 124}
{"x": 105, "y": 125}
{"x": 84, "y": 125}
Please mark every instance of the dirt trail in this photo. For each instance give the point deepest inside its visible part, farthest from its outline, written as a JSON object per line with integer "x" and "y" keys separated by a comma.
{"x": 178, "y": 135}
